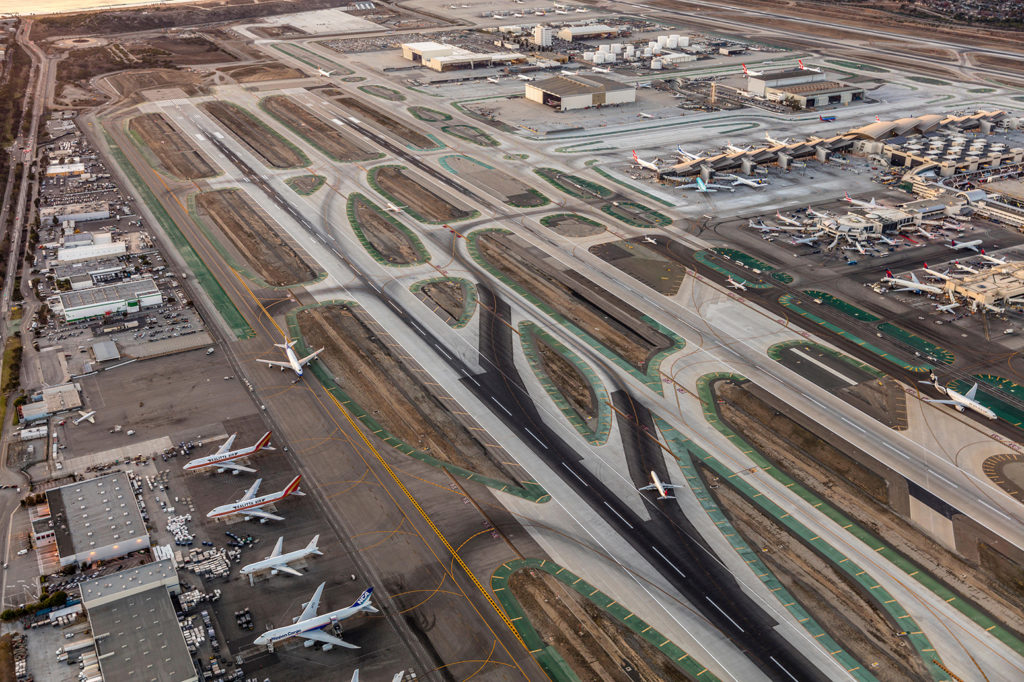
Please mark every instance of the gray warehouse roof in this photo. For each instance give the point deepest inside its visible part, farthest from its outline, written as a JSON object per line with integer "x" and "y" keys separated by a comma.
{"x": 564, "y": 86}
{"x": 138, "y": 638}
{"x": 113, "y": 292}
{"x": 139, "y": 578}
{"x": 95, "y": 513}
{"x": 105, "y": 350}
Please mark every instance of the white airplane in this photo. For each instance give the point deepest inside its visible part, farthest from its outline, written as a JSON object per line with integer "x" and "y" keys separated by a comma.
{"x": 643, "y": 115}
{"x": 800, "y": 241}
{"x": 310, "y": 626}
{"x": 89, "y": 416}
{"x": 524, "y": 77}
{"x": 913, "y": 285}
{"x": 817, "y": 214}
{"x": 740, "y": 180}
{"x": 393, "y": 209}
{"x": 223, "y": 459}
{"x": 249, "y": 505}
{"x": 749, "y": 72}
{"x": 650, "y": 240}
{"x": 566, "y": 72}
{"x": 598, "y": 69}
{"x": 948, "y": 308}
{"x": 735, "y": 285}
{"x": 278, "y": 563}
{"x": 733, "y": 148}
{"x": 492, "y": 79}
{"x": 662, "y": 488}
{"x": 650, "y": 165}
{"x": 692, "y": 157}
{"x": 325, "y": 74}
{"x": 890, "y": 242}
{"x": 791, "y": 221}
{"x": 294, "y": 362}
{"x": 702, "y": 186}
{"x": 858, "y": 202}
{"x": 860, "y": 247}
{"x": 956, "y": 246}
{"x": 772, "y": 140}
{"x": 965, "y": 268}
{"x": 925, "y": 233}
{"x": 808, "y": 68}
{"x": 960, "y": 401}
{"x": 992, "y": 259}
{"x": 759, "y": 225}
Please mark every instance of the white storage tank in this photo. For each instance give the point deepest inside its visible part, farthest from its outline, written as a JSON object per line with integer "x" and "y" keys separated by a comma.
{"x": 599, "y": 57}
{"x": 648, "y": 52}
{"x": 656, "y": 50}
{"x": 655, "y": 65}
{"x": 672, "y": 43}
{"x": 588, "y": 56}
{"x": 616, "y": 48}
{"x": 684, "y": 41}
{"x": 652, "y": 44}
{"x": 604, "y": 48}
{"x": 662, "y": 41}
{"x": 610, "y": 59}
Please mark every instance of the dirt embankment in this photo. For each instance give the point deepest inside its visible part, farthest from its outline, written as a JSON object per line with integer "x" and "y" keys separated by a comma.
{"x": 394, "y": 392}
{"x": 397, "y": 182}
{"x": 997, "y": 586}
{"x": 328, "y": 139}
{"x": 252, "y": 133}
{"x": 569, "y": 381}
{"x": 266, "y": 71}
{"x": 173, "y": 149}
{"x": 254, "y": 236}
{"x": 372, "y": 112}
{"x": 612, "y": 323}
{"x": 852, "y": 618}
{"x": 594, "y": 645}
{"x": 446, "y": 298}
{"x": 394, "y": 245}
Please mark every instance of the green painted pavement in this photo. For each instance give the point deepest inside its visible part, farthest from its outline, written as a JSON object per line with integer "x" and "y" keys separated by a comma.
{"x": 1008, "y": 412}
{"x": 553, "y": 664}
{"x": 842, "y": 306}
{"x": 487, "y": 141}
{"x": 915, "y": 341}
{"x": 703, "y": 258}
{"x": 614, "y": 210}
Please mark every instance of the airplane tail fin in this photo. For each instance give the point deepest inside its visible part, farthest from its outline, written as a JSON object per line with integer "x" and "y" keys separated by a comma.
{"x": 801, "y": 63}
{"x": 888, "y": 273}
{"x": 262, "y": 442}
{"x": 745, "y": 72}
{"x": 293, "y": 487}
{"x": 287, "y": 344}
{"x": 311, "y": 547}
{"x": 363, "y": 603}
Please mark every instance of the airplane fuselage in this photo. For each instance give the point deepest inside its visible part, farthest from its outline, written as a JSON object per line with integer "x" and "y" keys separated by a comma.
{"x": 214, "y": 460}
{"x": 272, "y": 562}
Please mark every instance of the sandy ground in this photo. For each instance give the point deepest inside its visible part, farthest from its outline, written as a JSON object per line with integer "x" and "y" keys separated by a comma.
{"x": 372, "y": 111}
{"x": 511, "y": 190}
{"x": 471, "y": 134}
{"x": 574, "y": 226}
{"x": 447, "y": 299}
{"x": 391, "y": 242}
{"x": 255, "y": 236}
{"x": 595, "y": 646}
{"x": 646, "y": 265}
{"x": 173, "y": 149}
{"x": 570, "y": 382}
{"x": 256, "y": 73}
{"x": 327, "y": 138}
{"x": 256, "y": 137}
{"x": 424, "y": 200}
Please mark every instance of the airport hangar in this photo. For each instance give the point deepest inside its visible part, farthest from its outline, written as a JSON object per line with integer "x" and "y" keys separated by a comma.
{"x": 566, "y": 93}
{"x": 805, "y": 88}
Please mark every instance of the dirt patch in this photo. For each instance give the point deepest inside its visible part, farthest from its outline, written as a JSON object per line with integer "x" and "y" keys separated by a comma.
{"x": 663, "y": 274}
{"x": 321, "y": 134}
{"x": 130, "y": 82}
{"x": 267, "y": 71}
{"x": 429, "y": 115}
{"x": 359, "y": 355}
{"x": 283, "y": 31}
{"x": 255, "y": 236}
{"x": 447, "y": 298}
{"x": 777, "y": 438}
{"x": 174, "y": 151}
{"x": 306, "y": 184}
{"x": 255, "y": 135}
{"x": 997, "y": 61}
{"x": 569, "y": 381}
{"x": 608, "y": 319}
{"x": 383, "y": 92}
{"x": 372, "y": 112}
{"x": 430, "y": 206}
{"x": 838, "y": 605}
{"x": 512, "y": 191}
{"x": 572, "y": 225}
{"x": 390, "y": 241}
{"x": 471, "y": 134}
{"x": 7, "y": 672}
{"x": 594, "y": 644}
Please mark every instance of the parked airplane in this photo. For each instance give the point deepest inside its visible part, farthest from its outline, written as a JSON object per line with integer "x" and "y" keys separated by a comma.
{"x": 223, "y": 459}
{"x": 397, "y": 678}
{"x": 294, "y": 362}
{"x": 800, "y": 241}
{"x": 662, "y": 488}
{"x": 325, "y": 74}
{"x": 948, "y": 308}
{"x": 598, "y": 69}
{"x": 817, "y": 214}
{"x": 493, "y": 79}
{"x": 826, "y": 119}
{"x": 89, "y": 416}
{"x": 806, "y": 68}
{"x": 888, "y": 241}
{"x": 643, "y": 115}
{"x": 692, "y": 157}
{"x": 972, "y": 245}
{"x": 650, "y": 165}
{"x": 733, "y": 148}
{"x": 650, "y": 240}
{"x": 913, "y": 284}
{"x": 748, "y": 72}
{"x": 249, "y": 505}
{"x": 278, "y": 562}
{"x": 960, "y": 401}
{"x": 772, "y": 140}
{"x": 992, "y": 259}
{"x": 393, "y": 209}
{"x": 740, "y": 180}
{"x": 524, "y": 77}
{"x": 702, "y": 186}
{"x": 736, "y": 285}
{"x": 858, "y": 202}
{"x": 784, "y": 219}
{"x": 310, "y": 626}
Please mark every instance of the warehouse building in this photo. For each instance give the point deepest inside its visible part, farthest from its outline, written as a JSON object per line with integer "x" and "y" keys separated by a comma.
{"x": 566, "y": 93}
{"x": 125, "y": 297}
{"x": 86, "y": 274}
{"x": 96, "y": 520}
{"x": 56, "y": 170}
{"x": 444, "y": 57}
{"x": 135, "y": 626}
{"x": 87, "y": 246}
{"x": 49, "y": 401}
{"x": 587, "y": 32}
{"x": 805, "y": 88}
{"x": 80, "y": 213}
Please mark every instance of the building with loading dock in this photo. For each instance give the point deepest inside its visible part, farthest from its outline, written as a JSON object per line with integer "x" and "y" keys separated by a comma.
{"x": 567, "y": 93}
{"x": 444, "y": 57}
{"x": 805, "y": 88}
{"x": 125, "y": 297}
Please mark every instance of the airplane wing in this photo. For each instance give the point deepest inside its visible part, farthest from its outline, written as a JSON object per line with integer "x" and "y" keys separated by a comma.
{"x": 275, "y": 363}
{"x": 310, "y": 607}
{"x": 251, "y": 492}
{"x": 971, "y": 393}
{"x": 261, "y": 514}
{"x": 285, "y": 568}
{"x": 277, "y": 548}
{"x": 235, "y": 467}
{"x": 309, "y": 357}
{"x": 648, "y": 487}
{"x": 943, "y": 402}
{"x": 321, "y": 636}
{"x": 227, "y": 445}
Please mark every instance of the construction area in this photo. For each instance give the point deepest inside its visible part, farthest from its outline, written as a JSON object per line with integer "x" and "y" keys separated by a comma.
{"x": 260, "y": 140}
{"x": 173, "y": 150}
{"x": 255, "y": 236}
{"x": 392, "y": 242}
{"x": 423, "y": 203}
{"x": 336, "y": 144}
